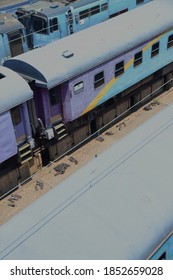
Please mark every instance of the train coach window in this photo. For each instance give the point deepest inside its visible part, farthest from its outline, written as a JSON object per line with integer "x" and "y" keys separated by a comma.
{"x": 155, "y": 49}
{"x": 163, "y": 256}
{"x": 139, "y": 2}
{"x": 138, "y": 59}
{"x": 53, "y": 24}
{"x": 170, "y": 41}
{"x": 119, "y": 68}
{"x": 39, "y": 24}
{"x": 84, "y": 14}
{"x": 15, "y": 114}
{"x": 95, "y": 10}
{"x": 104, "y": 7}
{"x": 78, "y": 87}
{"x": 99, "y": 80}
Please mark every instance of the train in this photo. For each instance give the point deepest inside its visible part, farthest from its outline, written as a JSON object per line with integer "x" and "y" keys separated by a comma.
{"x": 47, "y": 22}
{"x": 85, "y": 81}
{"x": 11, "y": 6}
{"x": 116, "y": 207}
{"x": 41, "y": 22}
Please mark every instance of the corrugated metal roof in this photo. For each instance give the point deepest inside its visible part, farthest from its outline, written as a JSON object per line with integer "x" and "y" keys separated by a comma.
{"x": 118, "y": 206}
{"x": 14, "y": 90}
{"x": 94, "y": 45}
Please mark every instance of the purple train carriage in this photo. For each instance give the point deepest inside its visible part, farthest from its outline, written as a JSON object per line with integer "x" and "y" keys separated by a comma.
{"x": 86, "y": 80}
{"x": 16, "y": 142}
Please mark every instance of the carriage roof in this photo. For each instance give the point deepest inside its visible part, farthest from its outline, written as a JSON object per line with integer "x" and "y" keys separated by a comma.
{"x": 14, "y": 89}
{"x": 62, "y": 60}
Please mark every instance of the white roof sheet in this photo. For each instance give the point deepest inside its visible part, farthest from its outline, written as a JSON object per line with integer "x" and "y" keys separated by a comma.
{"x": 94, "y": 45}
{"x": 9, "y": 23}
{"x": 118, "y": 206}
{"x": 14, "y": 90}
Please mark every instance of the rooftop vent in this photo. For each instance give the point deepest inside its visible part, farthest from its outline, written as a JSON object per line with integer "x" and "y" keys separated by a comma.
{"x": 67, "y": 54}
{"x": 54, "y": 5}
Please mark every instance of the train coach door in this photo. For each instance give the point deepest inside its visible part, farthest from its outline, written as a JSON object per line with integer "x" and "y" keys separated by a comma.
{"x": 69, "y": 16}
{"x": 15, "y": 42}
{"x": 55, "y": 104}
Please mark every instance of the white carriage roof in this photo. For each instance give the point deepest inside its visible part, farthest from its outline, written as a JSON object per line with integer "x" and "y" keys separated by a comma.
{"x": 9, "y": 23}
{"x": 35, "y": 6}
{"x": 118, "y": 206}
{"x": 95, "y": 45}
{"x": 14, "y": 90}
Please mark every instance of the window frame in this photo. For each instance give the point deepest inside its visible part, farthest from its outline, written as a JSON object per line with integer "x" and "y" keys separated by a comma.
{"x": 170, "y": 41}
{"x": 80, "y": 89}
{"x": 84, "y": 14}
{"x": 99, "y": 80}
{"x": 53, "y": 23}
{"x": 44, "y": 24}
{"x": 104, "y": 7}
{"x": 155, "y": 49}
{"x": 94, "y": 10}
{"x": 138, "y": 60}
{"x": 119, "y": 71}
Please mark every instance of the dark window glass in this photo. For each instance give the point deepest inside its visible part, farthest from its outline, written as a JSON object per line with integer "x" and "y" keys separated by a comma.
{"x": 170, "y": 41}
{"x": 119, "y": 68}
{"x": 104, "y": 7}
{"x": 163, "y": 256}
{"x": 95, "y": 10}
{"x": 39, "y": 24}
{"x": 53, "y": 24}
{"x": 118, "y": 13}
{"x": 138, "y": 59}
{"x": 54, "y": 96}
{"x": 84, "y": 14}
{"x": 155, "y": 49}
{"x": 99, "y": 80}
{"x": 15, "y": 114}
{"x": 139, "y": 2}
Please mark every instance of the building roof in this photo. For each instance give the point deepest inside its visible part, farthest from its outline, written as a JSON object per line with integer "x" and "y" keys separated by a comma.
{"x": 118, "y": 206}
{"x": 14, "y": 89}
{"x": 95, "y": 45}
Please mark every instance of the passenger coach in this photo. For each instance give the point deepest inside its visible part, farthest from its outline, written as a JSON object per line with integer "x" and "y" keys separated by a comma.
{"x": 84, "y": 81}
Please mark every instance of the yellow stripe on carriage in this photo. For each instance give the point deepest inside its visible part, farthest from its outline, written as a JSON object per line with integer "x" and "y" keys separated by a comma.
{"x": 100, "y": 95}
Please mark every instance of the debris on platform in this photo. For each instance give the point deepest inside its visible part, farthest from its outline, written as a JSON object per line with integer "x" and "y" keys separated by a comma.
{"x": 60, "y": 168}
{"x": 72, "y": 159}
